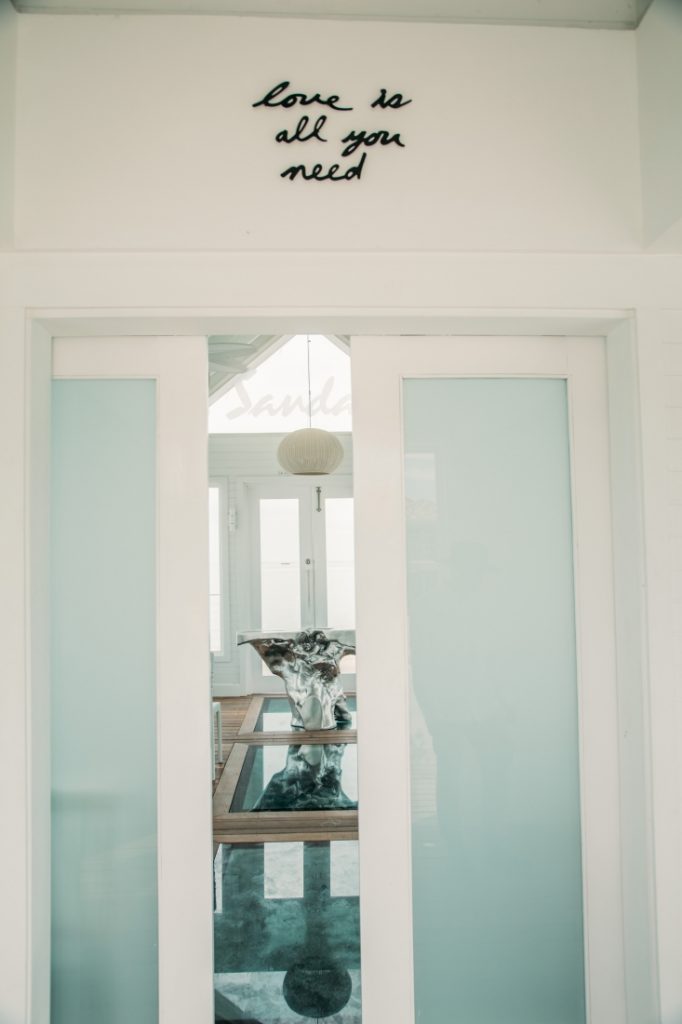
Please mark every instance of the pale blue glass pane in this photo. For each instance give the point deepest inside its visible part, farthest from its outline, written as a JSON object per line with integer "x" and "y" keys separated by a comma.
{"x": 339, "y": 542}
{"x": 104, "y": 842}
{"x": 497, "y": 881}
{"x": 280, "y": 570}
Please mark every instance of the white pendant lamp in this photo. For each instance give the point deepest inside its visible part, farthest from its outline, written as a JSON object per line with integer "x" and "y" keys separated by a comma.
{"x": 309, "y": 451}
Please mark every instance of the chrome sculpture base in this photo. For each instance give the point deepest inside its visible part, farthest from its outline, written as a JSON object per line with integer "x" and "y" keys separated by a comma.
{"x": 308, "y": 663}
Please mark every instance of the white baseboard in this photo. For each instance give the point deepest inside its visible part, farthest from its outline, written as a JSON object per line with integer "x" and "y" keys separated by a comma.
{"x": 228, "y": 690}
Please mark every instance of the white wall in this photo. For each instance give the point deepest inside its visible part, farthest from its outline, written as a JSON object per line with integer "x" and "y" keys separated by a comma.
{"x": 138, "y": 133}
{"x": 659, "y": 50}
{"x": 8, "y": 43}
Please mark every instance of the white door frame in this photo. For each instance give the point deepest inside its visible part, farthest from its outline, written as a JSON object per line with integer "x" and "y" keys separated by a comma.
{"x": 619, "y": 328}
{"x": 179, "y": 367}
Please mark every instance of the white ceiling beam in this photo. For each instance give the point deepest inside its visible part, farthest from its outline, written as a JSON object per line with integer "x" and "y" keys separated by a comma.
{"x": 559, "y": 13}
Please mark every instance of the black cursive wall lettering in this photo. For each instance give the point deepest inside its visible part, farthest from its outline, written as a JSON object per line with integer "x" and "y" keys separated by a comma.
{"x": 310, "y": 128}
{"x": 363, "y": 138}
{"x": 318, "y": 173}
{"x": 390, "y": 102}
{"x": 270, "y": 99}
{"x": 301, "y": 127}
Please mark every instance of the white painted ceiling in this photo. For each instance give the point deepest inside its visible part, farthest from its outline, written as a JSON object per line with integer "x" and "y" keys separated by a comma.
{"x": 580, "y": 13}
{"x": 230, "y": 355}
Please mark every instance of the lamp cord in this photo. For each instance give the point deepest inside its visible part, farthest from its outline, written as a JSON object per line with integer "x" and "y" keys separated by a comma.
{"x": 310, "y": 400}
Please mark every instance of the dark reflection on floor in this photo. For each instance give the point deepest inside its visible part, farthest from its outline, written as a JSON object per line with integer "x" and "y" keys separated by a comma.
{"x": 287, "y": 933}
{"x": 275, "y": 715}
{"x": 302, "y": 777}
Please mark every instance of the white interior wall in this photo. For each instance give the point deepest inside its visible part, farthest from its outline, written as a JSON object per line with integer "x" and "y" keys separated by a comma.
{"x": 8, "y": 45}
{"x": 517, "y": 138}
{"x": 136, "y": 134}
{"x": 238, "y": 458}
{"x": 659, "y": 45}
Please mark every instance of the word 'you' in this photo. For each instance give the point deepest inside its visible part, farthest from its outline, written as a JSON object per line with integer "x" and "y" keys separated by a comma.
{"x": 316, "y": 127}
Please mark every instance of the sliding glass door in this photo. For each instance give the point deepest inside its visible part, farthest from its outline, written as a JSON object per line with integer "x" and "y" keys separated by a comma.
{"x": 487, "y": 794}
{"x": 131, "y": 818}
{"x": 485, "y": 622}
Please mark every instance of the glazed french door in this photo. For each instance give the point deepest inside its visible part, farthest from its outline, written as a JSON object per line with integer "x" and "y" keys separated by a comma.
{"x": 131, "y": 812}
{"x": 487, "y": 707}
{"x": 301, "y": 553}
{"x": 302, "y": 561}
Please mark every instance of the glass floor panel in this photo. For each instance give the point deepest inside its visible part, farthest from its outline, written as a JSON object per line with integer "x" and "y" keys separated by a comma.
{"x": 301, "y": 777}
{"x": 287, "y": 933}
{"x": 275, "y": 715}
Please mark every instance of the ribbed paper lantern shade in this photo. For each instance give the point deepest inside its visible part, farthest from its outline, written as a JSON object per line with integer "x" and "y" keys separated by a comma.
{"x": 309, "y": 452}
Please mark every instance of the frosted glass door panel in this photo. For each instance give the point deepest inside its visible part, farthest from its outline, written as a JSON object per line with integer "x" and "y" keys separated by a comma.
{"x": 104, "y": 777}
{"x": 497, "y": 879}
{"x": 340, "y": 563}
{"x": 280, "y": 564}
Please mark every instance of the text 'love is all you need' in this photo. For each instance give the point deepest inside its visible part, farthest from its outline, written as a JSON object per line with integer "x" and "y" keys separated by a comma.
{"x": 316, "y": 128}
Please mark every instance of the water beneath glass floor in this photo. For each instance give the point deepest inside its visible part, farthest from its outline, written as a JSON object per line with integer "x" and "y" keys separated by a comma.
{"x": 275, "y": 715}
{"x": 301, "y": 777}
{"x": 287, "y": 933}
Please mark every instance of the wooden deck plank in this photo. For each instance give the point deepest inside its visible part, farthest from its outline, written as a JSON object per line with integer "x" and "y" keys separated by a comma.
{"x": 241, "y": 838}
{"x": 251, "y": 716}
{"x": 278, "y": 821}
{"x": 300, "y": 736}
{"x": 232, "y": 714}
{"x": 222, "y": 798}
